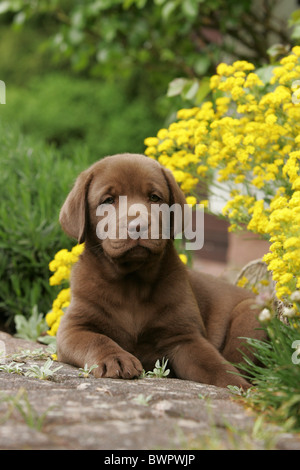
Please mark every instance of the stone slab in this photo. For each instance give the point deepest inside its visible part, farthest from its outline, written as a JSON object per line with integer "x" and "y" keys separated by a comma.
{"x": 73, "y": 413}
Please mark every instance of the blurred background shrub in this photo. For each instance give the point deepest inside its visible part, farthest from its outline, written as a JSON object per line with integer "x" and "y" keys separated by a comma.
{"x": 71, "y": 112}
{"x": 33, "y": 184}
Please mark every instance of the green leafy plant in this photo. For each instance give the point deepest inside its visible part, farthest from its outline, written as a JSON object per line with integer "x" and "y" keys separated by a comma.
{"x": 12, "y": 368}
{"x": 81, "y": 115}
{"x": 30, "y": 328}
{"x": 37, "y": 353}
{"x": 117, "y": 37}
{"x": 141, "y": 399}
{"x": 86, "y": 371}
{"x": 238, "y": 391}
{"x": 159, "y": 370}
{"x": 33, "y": 186}
{"x": 294, "y": 23}
{"x": 20, "y": 402}
{"x": 228, "y": 436}
{"x": 276, "y": 390}
{"x": 43, "y": 372}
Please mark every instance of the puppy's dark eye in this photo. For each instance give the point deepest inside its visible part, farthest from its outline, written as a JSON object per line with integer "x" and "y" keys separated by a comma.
{"x": 154, "y": 198}
{"x": 108, "y": 200}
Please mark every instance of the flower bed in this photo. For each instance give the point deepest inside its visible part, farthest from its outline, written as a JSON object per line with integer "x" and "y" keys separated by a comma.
{"x": 246, "y": 138}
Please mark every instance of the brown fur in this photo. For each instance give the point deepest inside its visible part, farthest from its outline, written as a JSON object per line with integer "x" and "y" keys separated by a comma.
{"x": 134, "y": 301}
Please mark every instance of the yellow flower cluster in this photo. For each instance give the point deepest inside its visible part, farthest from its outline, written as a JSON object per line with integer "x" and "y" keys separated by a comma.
{"x": 246, "y": 137}
{"x": 284, "y": 257}
{"x": 62, "y": 263}
{"x": 53, "y": 317}
{"x": 61, "y": 266}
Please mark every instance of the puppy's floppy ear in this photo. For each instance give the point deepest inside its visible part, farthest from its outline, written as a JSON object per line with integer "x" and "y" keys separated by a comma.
{"x": 74, "y": 212}
{"x": 176, "y": 197}
{"x": 176, "y": 194}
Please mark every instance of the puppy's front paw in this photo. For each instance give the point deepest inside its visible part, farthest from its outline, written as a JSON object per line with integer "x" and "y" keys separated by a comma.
{"x": 119, "y": 366}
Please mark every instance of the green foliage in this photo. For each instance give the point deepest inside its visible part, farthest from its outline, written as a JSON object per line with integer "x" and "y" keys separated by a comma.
{"x": 276, "y": 391}
{"x": 159, "y": 370}
{"x": 142, "y": 399}
{"x": 31, "y": 328}
{"x": 189, "y": 89}
{"x": 22, "y": 56}
{"x": 44, "y": 372}
{"x": 294, "y": 23}
{"x": 24, "y": 408}
{"x": 12, "y": 368}
{"x": 34, "y": 182}
{"x": 38, "y": 353}
{"x": 72, "y": 113}
{"x": 157, "y": 40}
{"x": 86, "y": 371}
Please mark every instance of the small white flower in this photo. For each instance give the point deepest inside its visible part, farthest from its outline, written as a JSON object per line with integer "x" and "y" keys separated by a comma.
{"x": 289, "y": 312}
{"x": 265, "y": 315}
{"x": 295, "y": 297}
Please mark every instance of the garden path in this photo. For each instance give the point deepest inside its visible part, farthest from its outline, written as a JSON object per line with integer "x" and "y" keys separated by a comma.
{"x": 105, "y": 414}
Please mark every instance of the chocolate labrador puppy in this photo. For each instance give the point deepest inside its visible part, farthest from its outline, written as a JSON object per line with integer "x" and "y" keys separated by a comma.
{"x": 133, "y": 300}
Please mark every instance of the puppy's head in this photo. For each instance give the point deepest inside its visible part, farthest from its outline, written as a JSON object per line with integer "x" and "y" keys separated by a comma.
{"x": 120, "y": 206}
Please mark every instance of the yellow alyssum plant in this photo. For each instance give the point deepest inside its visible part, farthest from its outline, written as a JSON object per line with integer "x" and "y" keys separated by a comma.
{"x": 247, "y": 137}
{"x": 61, "y": 266}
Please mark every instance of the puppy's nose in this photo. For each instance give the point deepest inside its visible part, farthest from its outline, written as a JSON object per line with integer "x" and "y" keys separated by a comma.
{"x": 137, "y": 229}
{"x": 132, "y": 227}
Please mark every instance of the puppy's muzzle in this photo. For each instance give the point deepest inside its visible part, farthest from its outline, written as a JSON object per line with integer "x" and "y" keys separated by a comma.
{"x": 138, "y": 229}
